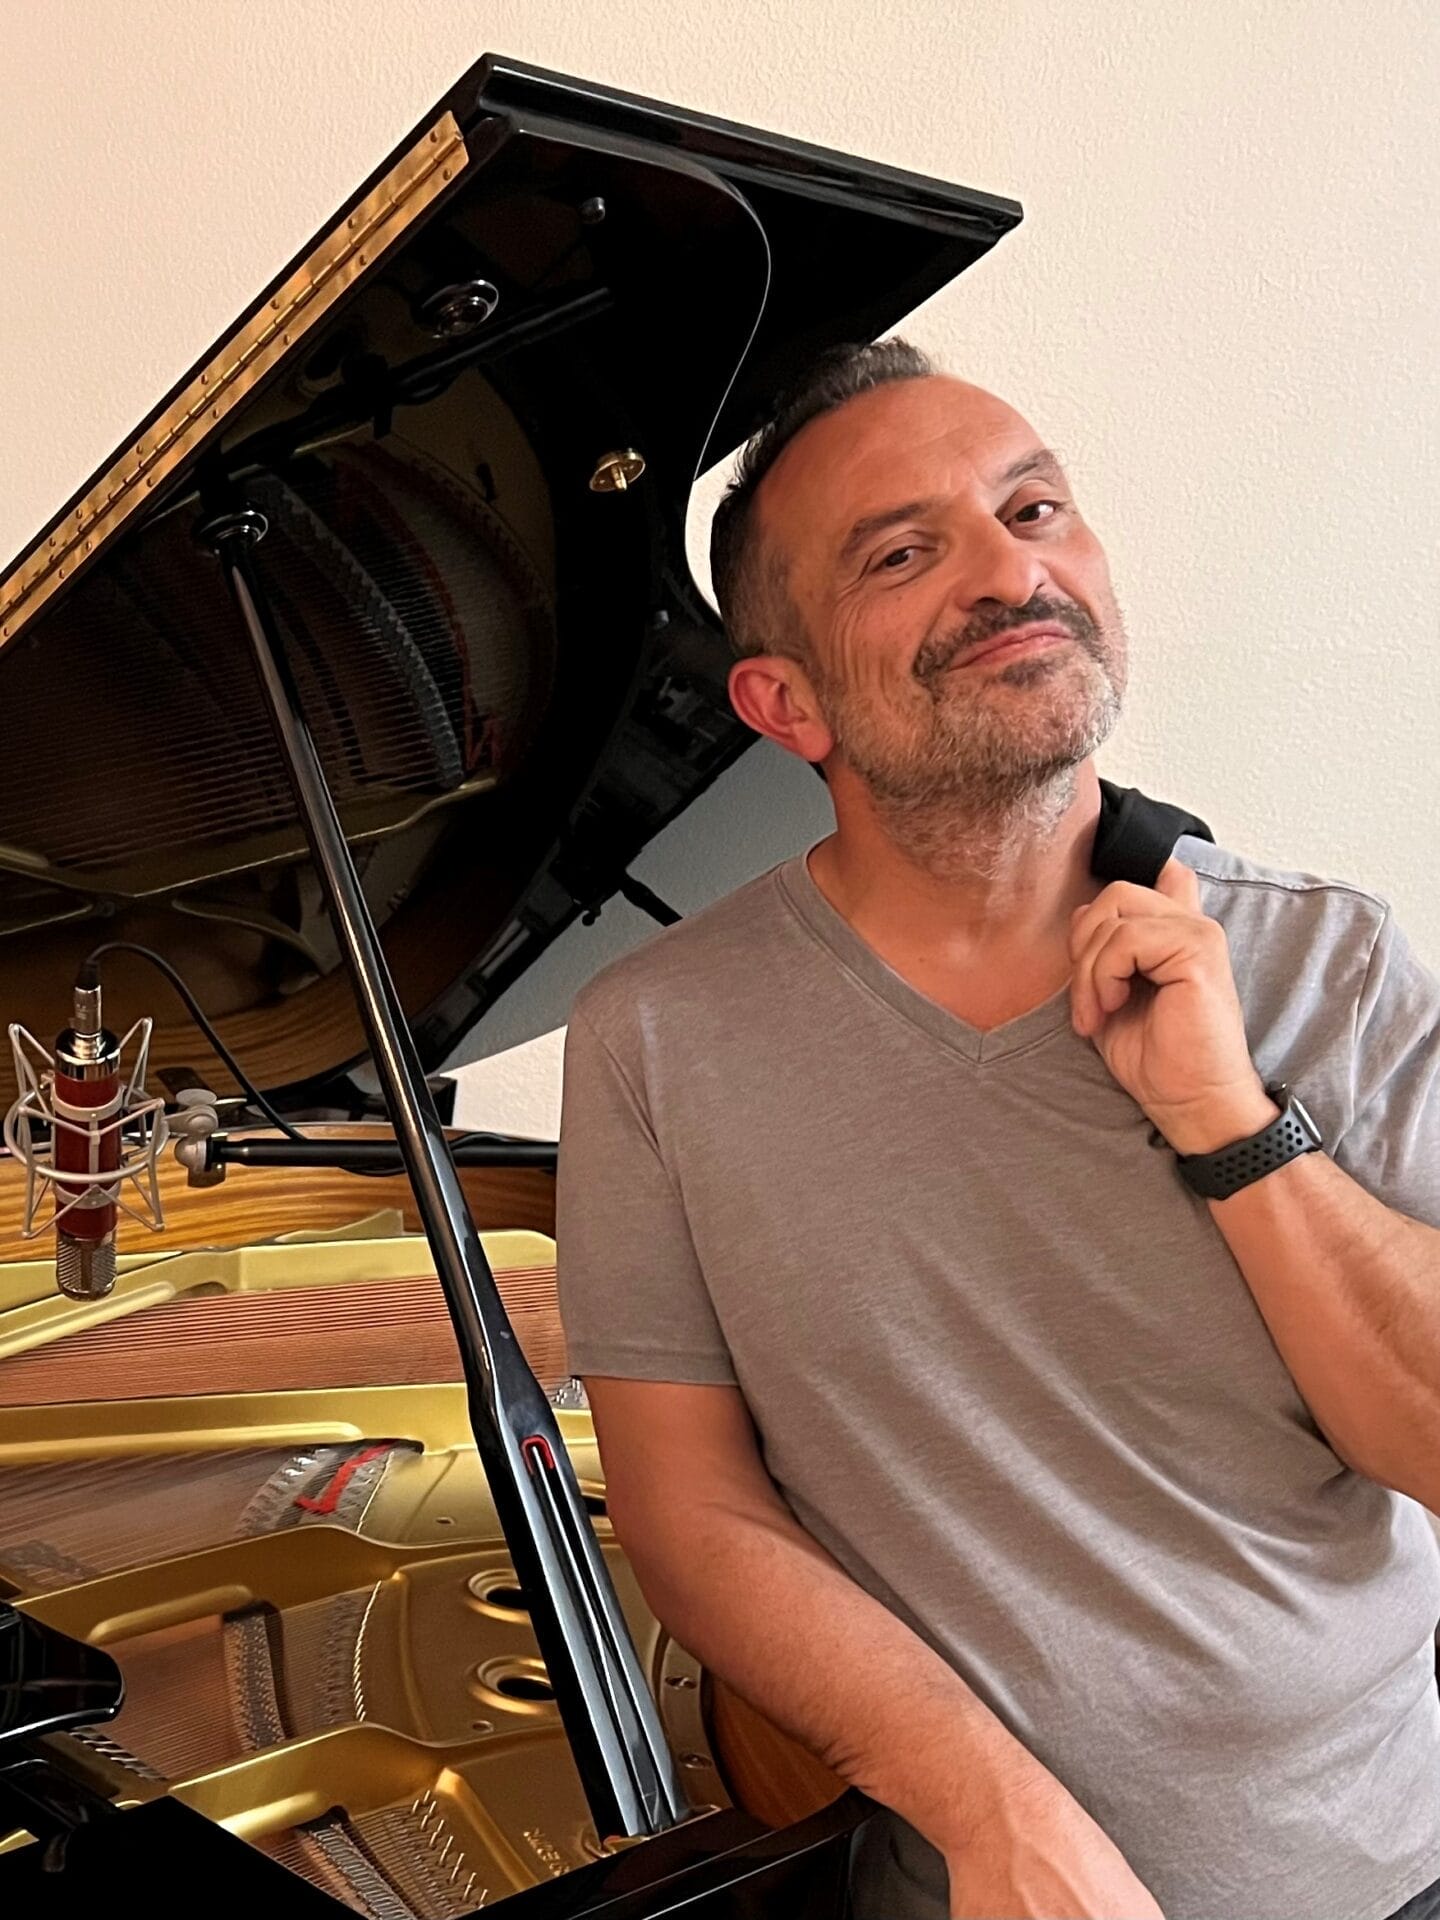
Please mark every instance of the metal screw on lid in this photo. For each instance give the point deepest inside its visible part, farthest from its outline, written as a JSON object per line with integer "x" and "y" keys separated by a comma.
{"x": 459, "y": 309}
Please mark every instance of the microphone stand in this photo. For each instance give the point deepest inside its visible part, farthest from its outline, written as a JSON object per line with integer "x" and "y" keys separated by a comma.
{"x": 368, "y": 1156}
{"x": 609, "y": 1715}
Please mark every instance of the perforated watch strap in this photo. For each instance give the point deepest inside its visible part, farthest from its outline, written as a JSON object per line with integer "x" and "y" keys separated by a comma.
{"x": 1217, "y": 1175}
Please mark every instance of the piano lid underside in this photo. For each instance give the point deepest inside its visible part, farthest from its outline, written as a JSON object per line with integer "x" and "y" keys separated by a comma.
{"x": 466, "y": 618}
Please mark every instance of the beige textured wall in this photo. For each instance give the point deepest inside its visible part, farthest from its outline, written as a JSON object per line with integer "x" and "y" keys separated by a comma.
{"x": 1221, "y": 307}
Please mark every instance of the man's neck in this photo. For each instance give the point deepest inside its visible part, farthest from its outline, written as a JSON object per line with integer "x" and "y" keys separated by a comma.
{"x": 984, "y": 936}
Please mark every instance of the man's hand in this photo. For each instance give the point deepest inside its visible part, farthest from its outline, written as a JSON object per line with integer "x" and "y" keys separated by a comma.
{"x": 1152, "y": 987}
{"x": 1041, "y": 1857}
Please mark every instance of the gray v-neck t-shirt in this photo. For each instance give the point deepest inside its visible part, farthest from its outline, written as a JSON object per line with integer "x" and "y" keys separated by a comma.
{"x": 1005, "y": 1369}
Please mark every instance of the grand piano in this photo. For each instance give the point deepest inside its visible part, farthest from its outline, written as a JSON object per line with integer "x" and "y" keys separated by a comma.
{"x": 368, "y": 665}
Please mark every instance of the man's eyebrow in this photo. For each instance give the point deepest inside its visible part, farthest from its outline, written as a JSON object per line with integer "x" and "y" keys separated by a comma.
{"x": 1042, "y": 460}
{"x": 874, "y": 523}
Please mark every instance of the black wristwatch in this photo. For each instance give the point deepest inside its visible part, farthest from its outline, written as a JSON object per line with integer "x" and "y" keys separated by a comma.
{"x": 1215, "y": 1176}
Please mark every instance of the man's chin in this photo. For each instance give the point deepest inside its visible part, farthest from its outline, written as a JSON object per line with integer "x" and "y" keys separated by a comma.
{"x": 979, "y": 789}
{"x": 981, "y": 759}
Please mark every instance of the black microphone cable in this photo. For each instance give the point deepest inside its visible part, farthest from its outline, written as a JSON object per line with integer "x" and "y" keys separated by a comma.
{"x": 237, "y": 1072}
{"x": 193, "y": 1008}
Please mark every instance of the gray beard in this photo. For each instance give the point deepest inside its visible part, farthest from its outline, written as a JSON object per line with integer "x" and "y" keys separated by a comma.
{"x": 968, "y": 791}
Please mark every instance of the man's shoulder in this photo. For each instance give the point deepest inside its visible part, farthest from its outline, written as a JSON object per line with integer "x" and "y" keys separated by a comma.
{"x": 708, "y": 958}
{"x": 1254, "y": 898}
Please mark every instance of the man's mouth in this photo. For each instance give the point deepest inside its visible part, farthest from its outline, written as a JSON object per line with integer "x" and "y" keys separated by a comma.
{"x": 1015, "y": 643}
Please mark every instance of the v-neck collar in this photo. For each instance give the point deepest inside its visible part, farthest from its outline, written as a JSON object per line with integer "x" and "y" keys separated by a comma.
{"x": 835, "y": 933}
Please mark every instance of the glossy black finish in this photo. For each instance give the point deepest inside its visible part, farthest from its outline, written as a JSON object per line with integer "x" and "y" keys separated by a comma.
{"x": 842, "y": 231}
{"x": 40, "y": 1792}
{"x": 723, "y": 1867}
{"x": 159, "y": 1861}
{"x": 610, "y": 1717}
{"x": 49, "y": 1682}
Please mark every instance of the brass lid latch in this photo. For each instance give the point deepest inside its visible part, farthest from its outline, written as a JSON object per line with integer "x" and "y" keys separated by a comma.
{"x": 614, "y": 472}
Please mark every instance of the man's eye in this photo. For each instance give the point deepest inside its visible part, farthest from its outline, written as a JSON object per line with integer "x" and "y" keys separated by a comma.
{"x": 896, "y": 558}
{"x": 1038, "y": 512}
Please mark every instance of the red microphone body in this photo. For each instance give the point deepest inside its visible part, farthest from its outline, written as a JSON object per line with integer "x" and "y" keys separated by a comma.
{"x": 87, "y": 1100}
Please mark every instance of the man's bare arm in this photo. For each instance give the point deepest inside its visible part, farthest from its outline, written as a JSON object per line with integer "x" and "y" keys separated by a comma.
{"x": 1350, "y": 1290}
{"x": 725, "y": 1566}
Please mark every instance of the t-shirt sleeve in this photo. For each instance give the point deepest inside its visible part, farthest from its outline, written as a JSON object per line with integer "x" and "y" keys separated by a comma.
{"x": 632, "y": 1297}
{"x": 1392, "y": 1144}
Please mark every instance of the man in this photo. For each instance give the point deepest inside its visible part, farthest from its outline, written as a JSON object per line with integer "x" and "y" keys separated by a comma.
{"x": 1055, "y": 1505}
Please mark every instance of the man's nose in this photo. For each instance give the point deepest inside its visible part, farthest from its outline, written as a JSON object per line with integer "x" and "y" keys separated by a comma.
{"x": 992, "y": 564}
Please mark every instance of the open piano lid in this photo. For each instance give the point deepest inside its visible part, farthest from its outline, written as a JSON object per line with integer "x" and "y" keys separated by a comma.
{"x": 514, "y": 681}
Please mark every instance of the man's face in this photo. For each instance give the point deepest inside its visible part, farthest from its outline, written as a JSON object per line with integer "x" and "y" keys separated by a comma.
{"x": 963, "y": 639}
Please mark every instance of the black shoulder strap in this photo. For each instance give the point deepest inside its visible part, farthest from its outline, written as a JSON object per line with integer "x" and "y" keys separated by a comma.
{"x": 1136, "y": 835}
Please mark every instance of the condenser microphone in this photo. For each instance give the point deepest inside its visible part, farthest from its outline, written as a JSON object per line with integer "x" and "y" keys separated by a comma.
{"x": 86, "y": 1098}
{"x": 83, "y": 1134}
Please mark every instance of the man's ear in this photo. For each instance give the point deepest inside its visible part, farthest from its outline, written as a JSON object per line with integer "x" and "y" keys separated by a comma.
{"x": 772, "y": 693}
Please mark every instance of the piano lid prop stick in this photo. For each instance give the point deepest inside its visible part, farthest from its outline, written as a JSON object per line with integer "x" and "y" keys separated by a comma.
{"x": 614, "y": 1728}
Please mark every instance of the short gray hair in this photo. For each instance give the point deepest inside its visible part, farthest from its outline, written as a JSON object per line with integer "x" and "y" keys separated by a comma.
{"x": 750, "y": 583}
